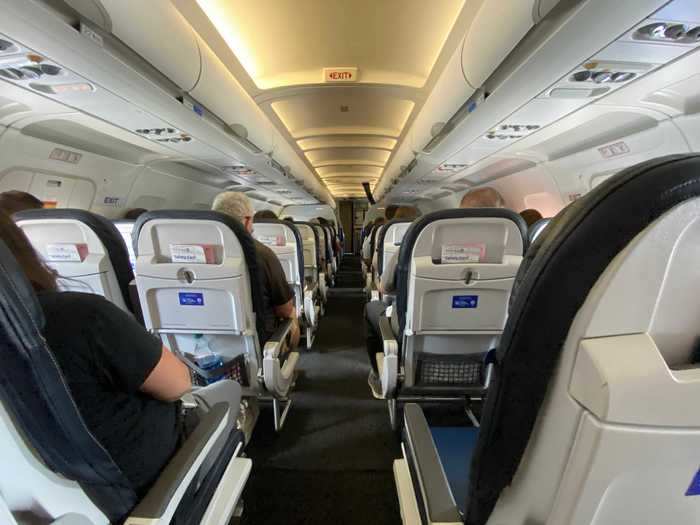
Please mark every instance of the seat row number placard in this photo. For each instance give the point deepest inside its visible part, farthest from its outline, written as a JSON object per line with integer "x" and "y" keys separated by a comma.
{"x": 66, "y": 252}
{"x": 192, "y": 253}
{"x": 463, "y": 253}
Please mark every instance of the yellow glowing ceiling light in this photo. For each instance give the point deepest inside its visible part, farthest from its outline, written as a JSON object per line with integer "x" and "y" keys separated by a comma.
{"x": 349, "y": 141}
{"x": 219, "y": 12}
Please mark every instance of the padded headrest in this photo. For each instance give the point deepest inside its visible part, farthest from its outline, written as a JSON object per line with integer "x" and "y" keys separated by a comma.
{"x": 536, "y": 229}
{"x": 567, "y": 261}
{"x": 297, "y": 237}
{"x": 317, "y": 239}
{"x": 380, "y": 241}
{"x": 244, "y": 238}
{"x": 105, "y": 231}
{"x": 409, "y": 240}
{"x": 35, "y": 394}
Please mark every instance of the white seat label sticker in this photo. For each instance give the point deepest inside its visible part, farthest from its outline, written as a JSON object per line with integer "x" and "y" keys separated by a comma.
{"x": 463, "y": 253}
{"x": 66, "y": 252}
{"x": 271, "y": 240}
{"x": 192, "y": 253}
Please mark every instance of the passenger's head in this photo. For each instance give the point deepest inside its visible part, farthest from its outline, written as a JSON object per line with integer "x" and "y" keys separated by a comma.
{"x": 323, "y": 221}
{"x": 406, "y": 212}
{"x": 15, "y": 201}
{"x": 483, "y": 198}
{"x": 530, "y": 216}
{"x": 288, "y": 219}
{"x": 134, "y": 213}
{"x": 41, "y": 277}
{"x": 265, "y": 214}
{"x": 379, "y": 221}
{"x": 390, "y": 211}
{"x": 236, "y": 205}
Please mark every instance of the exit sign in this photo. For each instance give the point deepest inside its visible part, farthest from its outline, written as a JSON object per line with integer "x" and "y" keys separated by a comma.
{"x": 340, "y": 74}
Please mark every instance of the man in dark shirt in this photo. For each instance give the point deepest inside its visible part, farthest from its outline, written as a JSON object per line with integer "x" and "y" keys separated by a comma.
{"x": 277, "y": 294}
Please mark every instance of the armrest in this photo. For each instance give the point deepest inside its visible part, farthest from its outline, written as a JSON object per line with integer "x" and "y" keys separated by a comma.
{"x": 278, "y": 340}
{"x": 431, "y": 485}
{"x": 391, "y": 345}
{"x": 163, "y": 498}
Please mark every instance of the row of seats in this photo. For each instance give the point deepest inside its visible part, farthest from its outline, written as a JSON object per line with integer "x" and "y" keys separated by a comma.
{"x": 143, "y": 267}
{"x": 589, "y": 416}
{"x": 454, "y": 278}
{"x": 189, "y": 275}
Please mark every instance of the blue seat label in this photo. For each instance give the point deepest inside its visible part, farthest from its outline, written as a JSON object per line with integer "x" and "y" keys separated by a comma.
{"x": 191, "y": 298}
{"x": 465, "y": 301}
{"x": 694, "y": 489}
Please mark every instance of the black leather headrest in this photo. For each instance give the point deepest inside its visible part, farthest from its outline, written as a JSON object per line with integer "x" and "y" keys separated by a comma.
{"x": 35, "y": 394}
{"x": 536, "y": 229}
{"x": 244, "y": 238}
{"x": 411, "y": 236}
{"x": 568, "y": 259}
{"x": 105, "y": 231}
{"x": 297, "y": 239}
{"x": 380, "y": 242}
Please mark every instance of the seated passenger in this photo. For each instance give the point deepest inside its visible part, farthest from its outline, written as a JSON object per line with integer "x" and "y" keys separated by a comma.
{"x": 367, "y": 243}
{"x": 125, "y": 383}
{"x": 278, "y": 297}
{"x": 15, "y": 201}
{"x": 265, "y": 214}
{"x": 479, "y": 198}
{"x": 530, "y": 216}
{"x": 390, "y": 212}
{"x": 134, "y": 213}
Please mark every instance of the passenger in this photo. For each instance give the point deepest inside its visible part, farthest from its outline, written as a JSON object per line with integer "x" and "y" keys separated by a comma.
{"x": 265, "y": 214}
{"x": 479, "y": 198}
{"x": 125, "y": 383}
{"x": 288, "y": 219}
{"x": 15, "y": 201}
{"x": 530, "y": 216}
{"x": 390, "y": 211}
{"x": 485, "y": 197}
{"x": 134, "y": 213}
{"x": 367, "y": 243}
{"x": 278, "y": 297}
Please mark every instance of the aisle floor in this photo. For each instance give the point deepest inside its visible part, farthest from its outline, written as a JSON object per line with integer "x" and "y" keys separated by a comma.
{"x": 332, "y": 463}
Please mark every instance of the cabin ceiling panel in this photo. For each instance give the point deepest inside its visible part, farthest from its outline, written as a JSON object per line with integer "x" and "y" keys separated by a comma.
{"x": 289, "y": 42}
{"x": 279, "y": 50}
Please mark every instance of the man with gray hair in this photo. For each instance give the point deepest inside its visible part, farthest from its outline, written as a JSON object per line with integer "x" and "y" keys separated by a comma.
{"x": 278, "y": 297}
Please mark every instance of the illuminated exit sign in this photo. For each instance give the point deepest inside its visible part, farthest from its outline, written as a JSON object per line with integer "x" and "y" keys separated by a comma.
{"x": 340, "y": 74}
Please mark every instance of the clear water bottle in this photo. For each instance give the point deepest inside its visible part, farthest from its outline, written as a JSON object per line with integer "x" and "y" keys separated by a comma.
{"x": 205, "y": 358}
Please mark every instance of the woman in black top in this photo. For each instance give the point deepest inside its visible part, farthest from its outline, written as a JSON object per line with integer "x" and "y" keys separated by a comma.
{"x": 125, "y": 382}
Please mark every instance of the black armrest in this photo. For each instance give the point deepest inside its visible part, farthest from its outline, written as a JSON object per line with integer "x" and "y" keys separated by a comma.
{"x": 385, "y": 329}
{"x": 281, "y": 333}
{"x": 433, "y": 491}
{"x": 183, "y": 465}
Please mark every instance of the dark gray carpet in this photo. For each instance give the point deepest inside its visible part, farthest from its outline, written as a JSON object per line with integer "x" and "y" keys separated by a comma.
{"x": 333, "y": 460}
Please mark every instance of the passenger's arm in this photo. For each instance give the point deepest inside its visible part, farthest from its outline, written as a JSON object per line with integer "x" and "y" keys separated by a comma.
{"x": 169, "y": 380}
{"x": 288, "y": 311}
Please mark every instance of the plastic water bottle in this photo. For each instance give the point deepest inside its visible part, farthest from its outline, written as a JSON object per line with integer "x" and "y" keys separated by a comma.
{"x": 206, "y": 359}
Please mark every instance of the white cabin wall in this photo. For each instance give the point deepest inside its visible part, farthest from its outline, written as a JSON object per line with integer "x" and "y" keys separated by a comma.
{"x": 104, "y": 185}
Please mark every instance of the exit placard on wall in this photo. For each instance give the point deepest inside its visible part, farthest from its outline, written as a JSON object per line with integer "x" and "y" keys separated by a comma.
{"x": 340, "y": 74}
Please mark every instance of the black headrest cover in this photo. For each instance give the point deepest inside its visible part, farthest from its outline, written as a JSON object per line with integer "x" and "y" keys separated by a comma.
{"x": 297, "y": 239}
{"x": 244, "y": 238}
{"x": 105, "y": 230}
{"x": 568, "y": 259}
{"x": 411, "y": 236}
{"x": 37, "y": 398}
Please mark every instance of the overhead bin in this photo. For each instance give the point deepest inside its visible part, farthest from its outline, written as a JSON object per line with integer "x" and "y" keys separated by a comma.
{"x": 219, "y": 91}
{"x": 155, "y": 30}
{"x": 495, "y": 31}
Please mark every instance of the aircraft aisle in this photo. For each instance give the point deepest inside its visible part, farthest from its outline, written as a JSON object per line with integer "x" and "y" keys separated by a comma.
{"x": 332, "y": 461}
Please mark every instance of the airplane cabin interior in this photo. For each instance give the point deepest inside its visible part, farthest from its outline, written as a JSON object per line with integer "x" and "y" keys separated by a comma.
{"x": 379, "y": 262}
